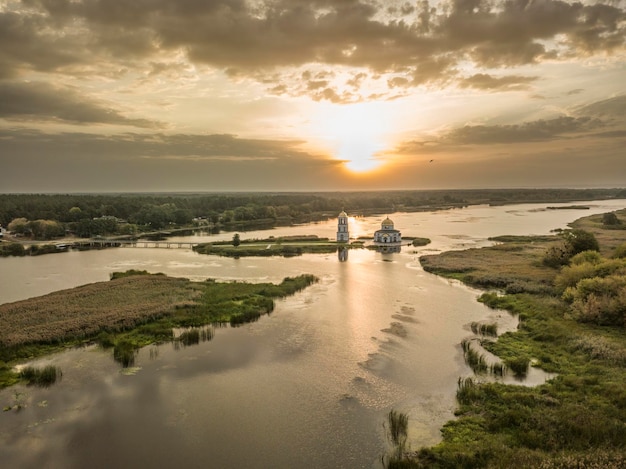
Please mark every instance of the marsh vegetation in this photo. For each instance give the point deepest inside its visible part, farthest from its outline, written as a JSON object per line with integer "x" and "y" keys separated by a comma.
{"x": 571, "y": 323}
{"x": 396, "y": 426}
{"x": 42, "y": 377}
{"x": 131, "y": 310}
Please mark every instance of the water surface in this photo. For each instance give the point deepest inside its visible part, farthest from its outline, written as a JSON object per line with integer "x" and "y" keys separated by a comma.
{"x": 307, "y": 386}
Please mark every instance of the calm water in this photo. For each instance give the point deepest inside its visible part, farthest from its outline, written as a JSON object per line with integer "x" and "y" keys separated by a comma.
{"x": 308, "y": 386}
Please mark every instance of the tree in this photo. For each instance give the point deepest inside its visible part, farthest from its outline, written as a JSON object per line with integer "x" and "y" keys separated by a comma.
{"x": 19, "y": 226}
{"x": 76, "y": 213}
{"x": 236, "y": 240}
{"x": 574, "y": 242}
{"x": 579, "y": 241}
{"x": 46, "y": 229}
{"x": 610, "y": 219}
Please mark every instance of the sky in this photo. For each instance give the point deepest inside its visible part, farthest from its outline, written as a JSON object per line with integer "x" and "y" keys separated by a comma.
{"x": 311, "y": 95}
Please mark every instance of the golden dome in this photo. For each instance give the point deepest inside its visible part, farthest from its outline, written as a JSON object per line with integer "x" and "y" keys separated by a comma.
{"x": 343, "y": 214}
{"x": 387, "y": 222}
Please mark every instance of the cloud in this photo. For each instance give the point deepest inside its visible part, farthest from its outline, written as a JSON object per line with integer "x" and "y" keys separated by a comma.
{"x": 423, "y": 44}
{"x": 156, "y": 146}
{"x": 602, "y": 119}
{"x": 487, "y": 82}
{"x": 612, "y": 108}
{"x": 34, "y": 161}
{"x": 535, "y": 131}
{"x": 40, "y": 101}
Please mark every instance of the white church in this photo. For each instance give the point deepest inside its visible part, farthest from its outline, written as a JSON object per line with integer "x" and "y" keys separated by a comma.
{"x": 387, "y": 235}
{"x": 343, "y": 233}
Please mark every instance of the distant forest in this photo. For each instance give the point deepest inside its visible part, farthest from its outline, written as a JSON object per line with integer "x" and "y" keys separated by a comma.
{"x": 46, "y": 216}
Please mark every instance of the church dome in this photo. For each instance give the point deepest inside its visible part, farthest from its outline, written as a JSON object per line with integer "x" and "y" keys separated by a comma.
{"x": 387, "y": 223}
{"x": 343, "y": 214}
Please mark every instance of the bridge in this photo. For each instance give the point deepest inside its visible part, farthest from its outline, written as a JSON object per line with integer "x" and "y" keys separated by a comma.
{"x": 129, "y": 243}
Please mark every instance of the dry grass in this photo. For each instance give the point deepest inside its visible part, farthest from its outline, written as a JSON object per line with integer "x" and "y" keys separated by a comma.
{"x": 514, "y": 265}
{"x": 84, "y": 311}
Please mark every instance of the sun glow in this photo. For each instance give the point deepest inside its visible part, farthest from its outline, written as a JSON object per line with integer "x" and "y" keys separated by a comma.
{"x": 356, "y": 133}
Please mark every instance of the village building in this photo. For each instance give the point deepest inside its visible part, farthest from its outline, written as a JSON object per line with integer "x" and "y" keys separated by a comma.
{"x": 387, "y": 233}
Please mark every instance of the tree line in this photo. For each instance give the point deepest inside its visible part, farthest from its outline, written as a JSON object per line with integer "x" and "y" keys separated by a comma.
{"x": 46, "y": 216}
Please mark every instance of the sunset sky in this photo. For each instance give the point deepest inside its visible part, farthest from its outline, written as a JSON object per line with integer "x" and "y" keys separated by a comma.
{"x": 284, "y": 95}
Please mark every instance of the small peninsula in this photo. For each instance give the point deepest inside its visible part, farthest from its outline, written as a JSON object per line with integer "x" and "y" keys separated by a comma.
{"x": 131, "y": 310}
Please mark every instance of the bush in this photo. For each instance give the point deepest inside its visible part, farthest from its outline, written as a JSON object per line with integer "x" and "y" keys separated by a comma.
{"x": 592, "y": 257}
{"x": 574, "y": 242}
{"x": 12, "y": 249}
{"x": 620, "y": 252}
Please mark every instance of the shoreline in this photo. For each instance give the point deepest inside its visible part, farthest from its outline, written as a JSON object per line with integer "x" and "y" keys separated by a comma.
{"x": 504, "y": 425}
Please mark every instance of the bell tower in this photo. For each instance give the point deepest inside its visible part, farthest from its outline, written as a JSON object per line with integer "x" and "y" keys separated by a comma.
{"x": 343, "y": 235}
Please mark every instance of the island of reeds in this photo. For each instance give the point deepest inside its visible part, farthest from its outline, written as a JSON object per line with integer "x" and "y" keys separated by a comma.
{"x": 131, "y": 310}
{"x": 569, "y": 292}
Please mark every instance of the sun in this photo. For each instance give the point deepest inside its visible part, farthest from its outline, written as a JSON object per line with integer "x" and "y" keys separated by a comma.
{"x": 356, "y": 133}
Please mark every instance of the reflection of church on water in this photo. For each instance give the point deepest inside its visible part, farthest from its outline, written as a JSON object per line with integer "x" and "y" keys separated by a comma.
{"x": 386, "y": 240}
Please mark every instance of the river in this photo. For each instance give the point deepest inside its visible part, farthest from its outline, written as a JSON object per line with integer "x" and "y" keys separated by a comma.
{"x": 307, "y": 386}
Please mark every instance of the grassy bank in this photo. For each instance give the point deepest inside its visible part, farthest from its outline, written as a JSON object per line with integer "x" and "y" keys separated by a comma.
{"x": 288, "y": 246}
{"x": 133, "y": 309}
{"x": 571, "y": 323}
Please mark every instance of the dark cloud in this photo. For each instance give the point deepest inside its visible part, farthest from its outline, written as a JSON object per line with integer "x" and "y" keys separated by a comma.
{"x": 535, "y": 131}
{"x": 130, "y": 146}
{"x": 484, "y": 81}
{"x": 34, "y": 161}
{"x": 40, "y": 101}
{"x": 27, "y": 44}
{"x": 422, "y": 42}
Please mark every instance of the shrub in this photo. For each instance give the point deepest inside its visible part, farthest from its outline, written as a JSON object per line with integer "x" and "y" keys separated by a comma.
{"x": 592, "y": 257}
{"x": 574, "y": 242}
{"x": 12, "y": 249}
{"x": 620, "y": 251}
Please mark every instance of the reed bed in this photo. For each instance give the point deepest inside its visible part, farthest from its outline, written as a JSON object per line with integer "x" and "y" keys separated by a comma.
{"x": 85, "y": 311}
{"x": 193, "y": 336}
{"x": 41, "y": 377}
{"x": 485, "y": 329}
{"x": 396, "y": 425}
{"x": 132, "y": 310}
{"x": 474, "y": 359}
